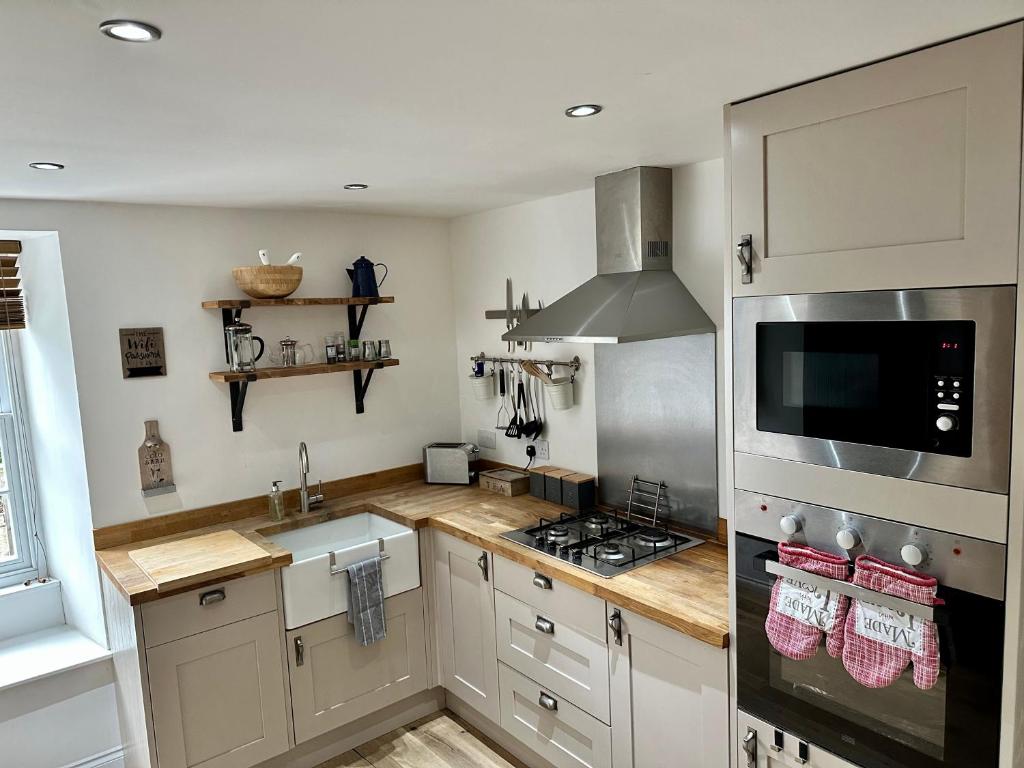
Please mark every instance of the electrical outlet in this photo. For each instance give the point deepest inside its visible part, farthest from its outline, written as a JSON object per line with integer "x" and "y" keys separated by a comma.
{"x": 543, "y": 453}
{"x": 485, "y": 438}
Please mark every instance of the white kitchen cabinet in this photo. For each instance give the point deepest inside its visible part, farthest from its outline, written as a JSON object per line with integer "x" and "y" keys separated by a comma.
{"x": 465, "y": 617}
{"x": 570, "y": 663}
{"x": 554, "y": 728}
{"x": 669, "y": 697}
{"x": 218, "y": 697}
{"x": 335, "y": 680}
{"x": 899, "y": 174}
{"x": 766, "y": 754}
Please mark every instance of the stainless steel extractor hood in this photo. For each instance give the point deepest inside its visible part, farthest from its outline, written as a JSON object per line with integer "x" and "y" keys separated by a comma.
{"x": 635, "y": 295}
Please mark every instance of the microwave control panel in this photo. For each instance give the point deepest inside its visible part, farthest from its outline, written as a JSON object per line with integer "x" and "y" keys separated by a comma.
{"x": 952, "y": 376}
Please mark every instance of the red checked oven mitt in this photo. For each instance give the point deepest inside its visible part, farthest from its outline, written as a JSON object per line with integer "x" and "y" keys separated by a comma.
{"x": 880, "y": 641}
{"x": 799, "y": 613}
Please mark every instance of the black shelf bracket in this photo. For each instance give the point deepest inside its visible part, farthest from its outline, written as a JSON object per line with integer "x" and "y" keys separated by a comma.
{"x": 356, "y": 316}
{"x": 361, "y": 385}
{"x": 238, "y": 390}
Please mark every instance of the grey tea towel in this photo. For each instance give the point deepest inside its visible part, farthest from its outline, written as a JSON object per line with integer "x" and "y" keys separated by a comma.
{"x": 366, "y": 601}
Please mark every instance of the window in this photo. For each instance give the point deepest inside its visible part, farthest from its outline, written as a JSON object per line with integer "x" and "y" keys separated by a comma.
{"x": 17, "y": 520}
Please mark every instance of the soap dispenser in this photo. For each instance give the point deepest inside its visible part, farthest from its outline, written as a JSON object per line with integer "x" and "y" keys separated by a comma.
{"x": 275, "y": 501}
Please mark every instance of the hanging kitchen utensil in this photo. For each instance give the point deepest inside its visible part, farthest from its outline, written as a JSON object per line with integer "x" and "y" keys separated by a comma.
{"x": 532, "y": 426}
{"x": 502, "y": 408}
{"x": 514, "y": 425}
{"x": 535, "y": 370}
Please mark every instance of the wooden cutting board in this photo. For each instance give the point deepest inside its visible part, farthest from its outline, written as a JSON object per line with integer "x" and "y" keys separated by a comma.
{"x": 182, "y": 563}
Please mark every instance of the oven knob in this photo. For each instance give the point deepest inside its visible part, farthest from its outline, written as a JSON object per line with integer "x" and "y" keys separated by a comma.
{"x": 945, "y": 423}
{"x": 912, "y": 555}
{"x": 848, "y": 538}
{"x": 790, "y": 524}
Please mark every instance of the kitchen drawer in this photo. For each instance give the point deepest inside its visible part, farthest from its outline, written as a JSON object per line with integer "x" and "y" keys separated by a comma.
{"x": 572, "y": 664}
{"x": 556, "y": 600}
{"x": 182, "y": 615}
{"x": 563, "y": 734}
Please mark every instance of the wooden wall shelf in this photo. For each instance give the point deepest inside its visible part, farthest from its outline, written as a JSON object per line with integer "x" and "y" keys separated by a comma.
{"x": 344, "y": 301}
{"x": 300, "y": 370}
{"x": 231, "y": 312}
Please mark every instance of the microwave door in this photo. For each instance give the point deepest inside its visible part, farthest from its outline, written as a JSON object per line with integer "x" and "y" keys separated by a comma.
{"x": 879, "y": 383}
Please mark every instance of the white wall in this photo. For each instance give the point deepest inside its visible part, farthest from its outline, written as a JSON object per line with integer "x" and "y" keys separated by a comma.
{"x": 55, "y": 425}
{"x": 548, "y": 248}
{"x": 73, "y": 728}
{"x": 128, "y": 266}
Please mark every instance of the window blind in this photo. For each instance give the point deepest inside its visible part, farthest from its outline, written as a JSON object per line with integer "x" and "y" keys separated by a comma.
{"x": 12, "y": 301}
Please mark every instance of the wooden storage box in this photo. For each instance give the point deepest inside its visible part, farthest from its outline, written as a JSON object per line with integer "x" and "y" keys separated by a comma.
{"x": 553, "y": 484}
{"x": 507, "y": 482}
{"x": 579, "y": 491}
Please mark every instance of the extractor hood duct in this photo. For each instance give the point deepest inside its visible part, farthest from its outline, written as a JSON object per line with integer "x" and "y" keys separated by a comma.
{"x": 635, "y": 295}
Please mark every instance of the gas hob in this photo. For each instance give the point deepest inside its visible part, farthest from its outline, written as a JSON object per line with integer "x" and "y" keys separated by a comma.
{"x": 601, "y": 543}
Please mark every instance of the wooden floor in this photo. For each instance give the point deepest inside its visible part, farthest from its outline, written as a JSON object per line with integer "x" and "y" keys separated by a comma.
{"x": 440, "y": 740}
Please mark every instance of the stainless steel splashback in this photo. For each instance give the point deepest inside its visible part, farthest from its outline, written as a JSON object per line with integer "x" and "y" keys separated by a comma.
{"x": 656, "y": 419}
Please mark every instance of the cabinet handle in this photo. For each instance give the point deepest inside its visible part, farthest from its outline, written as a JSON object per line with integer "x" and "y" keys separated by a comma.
{"x": 300, "y": 652}
{"x": 482, "y": 563}
{"x": 211, "y": 597}
{"x": 550, "y": 703}
{"x": 547, "y": 626}
{"x": 615, "y": 625}
{"x": 750, "y": 747}
{"x": 541, "y": 582}
{"x": 745, "y": 254}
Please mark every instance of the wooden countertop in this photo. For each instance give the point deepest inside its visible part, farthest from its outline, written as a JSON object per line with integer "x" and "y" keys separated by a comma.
{"x": 687, "y": 591}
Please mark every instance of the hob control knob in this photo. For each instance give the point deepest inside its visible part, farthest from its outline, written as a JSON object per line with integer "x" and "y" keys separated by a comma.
{"x": 945, "y": 423}
{"x": 790, "y": 524}
{"x": 848, "y": 538}
{"x": 912, "y": 555}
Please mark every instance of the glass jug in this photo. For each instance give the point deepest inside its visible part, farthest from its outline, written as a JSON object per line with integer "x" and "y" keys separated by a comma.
{"x": 240, "y": 350}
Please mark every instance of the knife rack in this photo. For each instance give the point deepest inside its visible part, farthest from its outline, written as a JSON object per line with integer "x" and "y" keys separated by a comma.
{"x": 517, "y": 314}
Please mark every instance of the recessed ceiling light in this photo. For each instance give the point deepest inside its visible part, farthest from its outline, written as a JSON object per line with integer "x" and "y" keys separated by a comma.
{"x": 130, "y": 31}
{"x": 46, "y": 166}
{"x": 583, "y": 110}
{"x": 357, "y": 186}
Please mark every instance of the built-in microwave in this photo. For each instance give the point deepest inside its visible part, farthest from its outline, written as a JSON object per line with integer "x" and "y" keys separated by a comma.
{"x": 912, "y": 384}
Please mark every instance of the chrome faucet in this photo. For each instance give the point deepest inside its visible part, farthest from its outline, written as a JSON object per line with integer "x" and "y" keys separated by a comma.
{"x": 306, "y": 499}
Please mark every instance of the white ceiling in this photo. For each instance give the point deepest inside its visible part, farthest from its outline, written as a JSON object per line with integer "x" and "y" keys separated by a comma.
{"x": 443, "y": 106}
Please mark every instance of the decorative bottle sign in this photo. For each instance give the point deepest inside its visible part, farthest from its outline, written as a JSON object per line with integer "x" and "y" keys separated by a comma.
{"x": 155, "y": 462}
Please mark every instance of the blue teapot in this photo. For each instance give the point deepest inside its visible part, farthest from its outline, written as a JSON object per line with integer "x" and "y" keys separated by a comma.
{"x": 364, "y": 279}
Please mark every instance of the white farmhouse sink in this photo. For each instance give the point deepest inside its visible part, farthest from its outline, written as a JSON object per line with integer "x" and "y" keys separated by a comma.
{"x": 312, "y": 593}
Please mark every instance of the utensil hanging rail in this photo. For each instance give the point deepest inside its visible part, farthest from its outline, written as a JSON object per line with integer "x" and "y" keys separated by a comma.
{"x": 575, "y": 364}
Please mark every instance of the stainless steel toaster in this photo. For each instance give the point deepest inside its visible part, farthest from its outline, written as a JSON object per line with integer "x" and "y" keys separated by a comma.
{"x": 450, "y": 462}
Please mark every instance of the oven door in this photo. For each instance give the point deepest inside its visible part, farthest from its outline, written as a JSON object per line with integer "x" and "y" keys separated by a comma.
{"x": 910, "y": 384}
{"x": 955, "y": 724}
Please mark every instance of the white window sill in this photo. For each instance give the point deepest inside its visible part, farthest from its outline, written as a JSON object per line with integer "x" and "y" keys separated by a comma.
{"x": 48, "y": 652}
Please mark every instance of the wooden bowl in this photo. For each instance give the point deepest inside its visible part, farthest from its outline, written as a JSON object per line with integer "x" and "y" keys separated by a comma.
{"x": 268, "y": 282}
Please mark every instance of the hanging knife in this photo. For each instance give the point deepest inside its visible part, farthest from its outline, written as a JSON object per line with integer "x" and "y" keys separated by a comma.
{"x": 522, "y": 316}
{"x": 508, "y": 307}
{"x": 526, "y": 316}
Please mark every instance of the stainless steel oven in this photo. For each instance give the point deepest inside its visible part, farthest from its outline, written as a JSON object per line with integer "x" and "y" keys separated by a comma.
{"x": 914, "y": 384}
{"x": 954, "y": 724}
